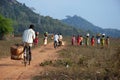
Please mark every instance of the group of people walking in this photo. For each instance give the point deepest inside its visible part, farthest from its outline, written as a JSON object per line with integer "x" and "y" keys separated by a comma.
{"x": 30, "y": 37}
{"x": 56, "y": 37}
{"x": 99, "y": 39}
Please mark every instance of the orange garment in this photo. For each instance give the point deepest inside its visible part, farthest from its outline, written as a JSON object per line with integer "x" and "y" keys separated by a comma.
{"x": 92, "y": 41}
{"x": 36, "y": 41}
{"x": 78, "y": 40}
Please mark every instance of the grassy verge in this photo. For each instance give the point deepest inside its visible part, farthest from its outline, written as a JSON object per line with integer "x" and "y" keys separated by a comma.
{"x": 84, "y": 63}
{"x": 5, "y": 45}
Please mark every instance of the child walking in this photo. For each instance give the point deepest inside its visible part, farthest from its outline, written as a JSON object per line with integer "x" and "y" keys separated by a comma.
{"x": 36, "y": 39}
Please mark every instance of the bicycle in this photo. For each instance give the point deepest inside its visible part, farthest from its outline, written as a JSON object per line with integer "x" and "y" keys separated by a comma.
{"x": 27, "y": 54}
{"x": 55, "y": 44}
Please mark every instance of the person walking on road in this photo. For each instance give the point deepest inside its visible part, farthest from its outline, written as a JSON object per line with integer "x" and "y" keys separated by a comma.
{"x": 56, "y": 40}
{"x": 98, "y": 39}
{"x": 87, "y": 39}
{"x": 92, "y": 41}
{"x": 45, "y": 38}
{"x": 36, "y": 39}
{"x": 60, "y": 39}
{"x": 73, "y": 40}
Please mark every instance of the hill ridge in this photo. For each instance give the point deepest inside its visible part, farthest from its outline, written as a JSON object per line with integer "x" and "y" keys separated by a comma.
{"x": 81, "y": 23}
{"x": 23, "y": 16}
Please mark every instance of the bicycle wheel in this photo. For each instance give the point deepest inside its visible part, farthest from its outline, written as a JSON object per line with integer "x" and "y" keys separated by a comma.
{"x": 28, "y": 58}
{"x": 25, "y": 57}
{"x": 29, "y": 55}
{"x": 55, "y": 44}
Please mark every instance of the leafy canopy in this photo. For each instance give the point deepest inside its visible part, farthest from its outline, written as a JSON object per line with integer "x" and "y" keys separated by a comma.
{"x": 5, "y": 25}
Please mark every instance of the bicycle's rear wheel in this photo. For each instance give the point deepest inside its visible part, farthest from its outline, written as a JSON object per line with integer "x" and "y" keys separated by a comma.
{"x": 55, "y": 44}
{"x": 25, "y": 56}
{"x": 25, "y": 61}
{"x": 28, "y": 58}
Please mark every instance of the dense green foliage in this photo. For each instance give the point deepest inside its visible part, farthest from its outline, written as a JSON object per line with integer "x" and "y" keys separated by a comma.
{"x": 24, "y": 16}
{"x": 5, "y": 26}
{"x": 83, "y": 24}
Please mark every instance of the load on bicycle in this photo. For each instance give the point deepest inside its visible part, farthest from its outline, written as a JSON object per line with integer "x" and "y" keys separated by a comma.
{"x": 24, "y": 52}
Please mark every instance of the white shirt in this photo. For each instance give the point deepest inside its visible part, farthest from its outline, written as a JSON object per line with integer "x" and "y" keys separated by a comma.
{"x": 60, "y": 37}
{"x": 28, "y": 36}
{"x": 98, "y": 40}
{"x": 56, "y": 37}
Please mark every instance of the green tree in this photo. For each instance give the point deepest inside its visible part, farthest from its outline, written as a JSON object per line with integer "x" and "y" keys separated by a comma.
{"x": 5, "y": 26}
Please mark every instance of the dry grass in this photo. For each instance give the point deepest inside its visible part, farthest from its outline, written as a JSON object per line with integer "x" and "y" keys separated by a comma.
{"x": 86, "y": 63}
{"x": 5, "y": 45}
{"x": 77, "y": 62}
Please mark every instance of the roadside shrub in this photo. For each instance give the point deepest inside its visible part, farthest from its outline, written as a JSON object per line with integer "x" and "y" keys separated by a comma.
{"x": 47, "y": 62}
{"x": 63, "y": 62}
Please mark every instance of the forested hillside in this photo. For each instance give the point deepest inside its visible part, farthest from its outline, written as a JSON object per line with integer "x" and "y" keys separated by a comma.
{"x": 83, "y": 24}
{"x": 23, "y": 16}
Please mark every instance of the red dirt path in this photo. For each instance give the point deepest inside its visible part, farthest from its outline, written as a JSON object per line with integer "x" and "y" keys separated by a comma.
{"x": 15, "y": 70}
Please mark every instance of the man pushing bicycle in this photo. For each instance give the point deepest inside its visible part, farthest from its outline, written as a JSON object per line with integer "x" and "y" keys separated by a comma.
{"x": 27, "y": 38}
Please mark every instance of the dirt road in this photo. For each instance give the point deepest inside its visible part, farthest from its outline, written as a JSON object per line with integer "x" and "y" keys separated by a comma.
{"x": 15, "y": 70}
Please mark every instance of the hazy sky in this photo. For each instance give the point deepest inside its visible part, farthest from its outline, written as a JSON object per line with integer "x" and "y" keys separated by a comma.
{"x": 102, "y": 13}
